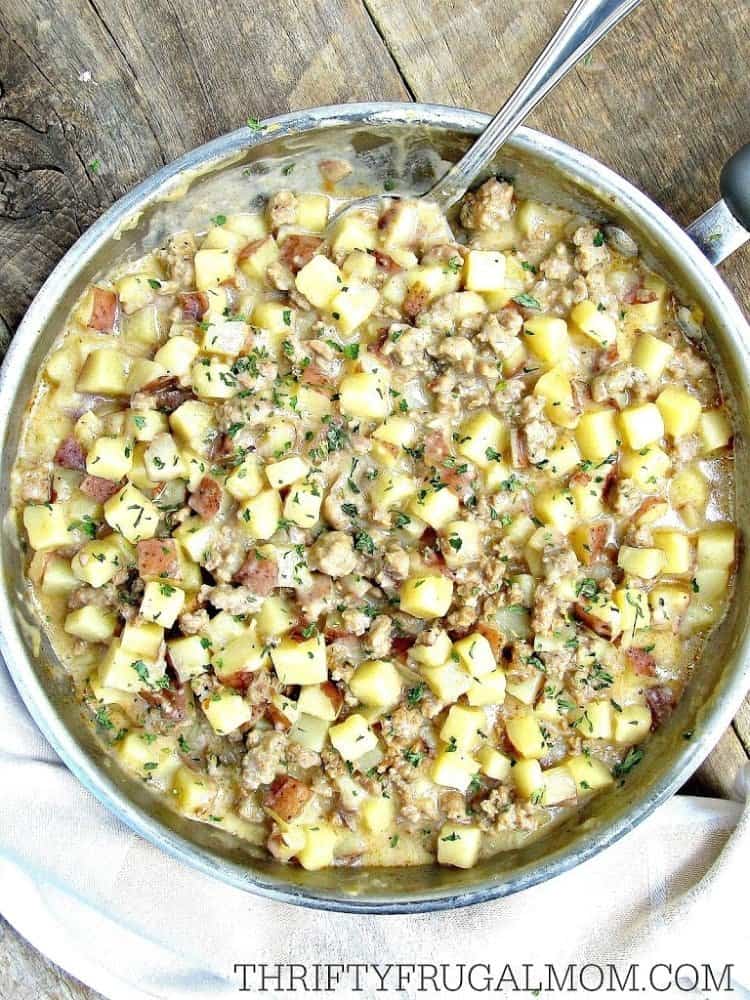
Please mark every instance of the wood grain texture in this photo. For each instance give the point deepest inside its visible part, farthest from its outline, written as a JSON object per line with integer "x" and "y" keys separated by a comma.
{"x": 96, "y": 94}
{"x": 25, "y": 974}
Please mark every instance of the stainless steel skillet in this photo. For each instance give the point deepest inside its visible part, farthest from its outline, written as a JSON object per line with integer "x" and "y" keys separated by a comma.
{"x": 405, "y": 143}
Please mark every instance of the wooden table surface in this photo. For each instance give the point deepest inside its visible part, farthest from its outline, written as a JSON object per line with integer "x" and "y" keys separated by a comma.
{"x": 97, "y": 94}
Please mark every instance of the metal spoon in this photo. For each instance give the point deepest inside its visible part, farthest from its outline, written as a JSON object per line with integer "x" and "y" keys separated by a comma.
{"x": 586, "y": 23}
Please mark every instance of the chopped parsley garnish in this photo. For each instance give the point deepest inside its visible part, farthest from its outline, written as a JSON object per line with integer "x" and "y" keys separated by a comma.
{"x": 527, "y": 301}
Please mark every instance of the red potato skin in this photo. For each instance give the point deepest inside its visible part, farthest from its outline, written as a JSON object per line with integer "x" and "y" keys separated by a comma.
{"x": 599, "y": 627}
{"x": 250, "y": 248}
{"x": 193, "y": 305}
{"x": 206, "y": 499}
{"x": 312, "y": 375}
{"x": 99, "y": 489}
{"x": 158, "y": 557}
{"x": 287, "y": 797}
{"x": 167, "y": 393}
{"x": 641, "y": 661}
{"x": 661, "y": 701}
{"x": 298, "y": 250}
{"x": 70, "y": 455}
{"x": 103, "y": 310}
{"x": 258, "y": 575}
{"x": 385, "y": 262}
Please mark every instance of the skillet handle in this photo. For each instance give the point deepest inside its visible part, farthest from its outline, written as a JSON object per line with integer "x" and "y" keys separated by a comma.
{"x": 726, "y": 225}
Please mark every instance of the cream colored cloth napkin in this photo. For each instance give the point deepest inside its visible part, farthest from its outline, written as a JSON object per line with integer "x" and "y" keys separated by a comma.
{"x": 133, "y": 923}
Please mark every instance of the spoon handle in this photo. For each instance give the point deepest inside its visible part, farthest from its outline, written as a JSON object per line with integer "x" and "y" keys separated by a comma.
{"x": 584, "y": 25}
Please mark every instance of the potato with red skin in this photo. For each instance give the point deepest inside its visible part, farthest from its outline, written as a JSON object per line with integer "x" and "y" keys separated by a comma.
{"x": 205, "y": 500}
{"x": 98, "y": 489}
{"x": 597, "y": 625}
{"x": 193, "y": 305}
{"x": 642, "y": 662}
{"x": 166, "y": 392}
{"x": 103, "y": 310}
{"x": 312, "y": 375}
{"x": 158, "y": 557}
{"x": 287, "y": 797}
{"x": 661, "y": 701}
{"x": 298, "y": 250}
{"x": 258, "y": 574}
{"x": 70, "y": 455}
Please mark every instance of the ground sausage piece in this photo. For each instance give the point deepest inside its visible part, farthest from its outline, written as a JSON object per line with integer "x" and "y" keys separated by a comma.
{"x": 158, "y": 557}
{"x": 206, "y": 499}
{"x": 98, "y": 489}
{"x": 335, "y": 170}
{"x": 103, "y": 310}
{"x": 70, "y": 455}
{"x": 282, "y": 209}
{"x": 416, "y": 300}
{"x": 193, "y": 305}
{"x": 333, "y": 554}
{"x": 489, "y": 204}
{"x": 257, "y": 574}
{"x": 287, "y": 797}
{"x": 298, "y": 250}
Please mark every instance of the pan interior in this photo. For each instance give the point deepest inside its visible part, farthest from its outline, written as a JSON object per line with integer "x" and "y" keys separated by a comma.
{"x": 408, "y": 148}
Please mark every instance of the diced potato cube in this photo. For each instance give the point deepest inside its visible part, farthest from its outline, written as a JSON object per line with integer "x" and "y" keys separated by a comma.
{"x": 286, "y": 472}
{"x": 555, "y": 388}
{"x": 378, "y": 815}
{"x": 193, "y": 424}
{"x": 59, "y": 578}
{"x": 243, "y": 654}
{"x": 142, "y": 371}
{"x": 319, "y": 280}
{"x": 193, "y": 791}
{"x": 162, "y": 603}
{"x": 196, "y": 536}
{"x": 390, "y": 490}
{"x": 647, "y": 467}
{"x": 594, "y": 323}
{"x": 397, "y": 430}
{"x": 354, "y": 232}
{"x": 134, "y": 292}
{"x": 717, "y": 546}
{"x": 310, "y": 732}
{"x": 453, "y": 769}
{"x": 641, "y": 425}
{"x": 559, "y": 786}
{"x": 47, "y": 525}
{"x": 142, "y": 639}
{"x": 481, "y": 438}
{"x": 464, "y": 542}
{"x": 122, "y": 670}
{"x": 353, "y": 738}
{"x": 226, "y": 710}
{"x": 475, "y": 654}
{"x": 318, "y": 852}
{"x": 312, "y": 212}
{"x": 634, "y": 613}
{"x": 352, "y": 305}
{"x": 91, "y": 623}
{"x": 595, "y": 723}
{"x": 250, "y": 225}
{"x": 547, "y": 337}
{"x": 144, "y": 425}
{"x": 150, "y": 757}
{"x": 677, "y": 550}
{"x": 489, "y": 689}
{"x": 597, "y": 435}
{"x": 668, "y": 603}
{"x": 525, "y": 734}
{"x": 649, "y": 315}
{"x": 190, "y": 656}
{"x": 484, "y": 270}
{"x": 689, "y": 488}
{"x": 464, "y": 728}
{"x": 588, "y": 773}
{"x": 364, "y": 395}
{"x": 132, "y": 514}
{"x": 212, "y": 267}
{"x": 324, "y": 701}
{"x": 213, "y": 379}
{"x": 260, "y": 514}
{"x": 162, "y": 460}
{"x": 224, "y": 337}
{"x": 447, "y": 681}
{"x": 715, "y": 429}
{"x": 426, "y": 596}
{"x": 526, "y": 690}
{"x": 276, "y": 317}
{"x": 303, "y": 503}
{"x": 276, "y": 617}
{"x": 712, "y": 584}
{"x": 105, "y": 373}
{"x": 436, "y": 653}
{"x": 255, "y": 259}
{"x": 398, "y": 225}
{"x": 97, "y": 561}
{"x": 679, "y": 409}
{"x": 632, "y": 724}
{"x": 528, "y": 779}
{"x": 556, "y": 508}
{"x": 435, "y": 507}
{"x": 246, "y": 481}
{"x": 377, "y": 683}
{"x": 177, "y": 355}
{"x": 651, "y": 355}
{"x": 458, "y": 845}
{"x": 494, "y": 764}
{"x": 110, "y": 458}
{"x": 300, "y": 661}
{"x": 646, "y": 563}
